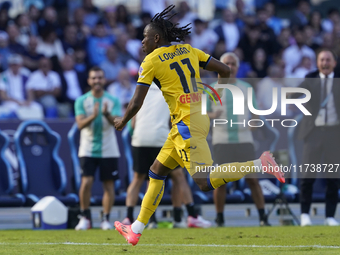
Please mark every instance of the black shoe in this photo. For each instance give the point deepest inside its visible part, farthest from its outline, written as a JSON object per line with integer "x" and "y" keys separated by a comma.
{"x": 264, "y": 222}
{"x": 219, "y": 222}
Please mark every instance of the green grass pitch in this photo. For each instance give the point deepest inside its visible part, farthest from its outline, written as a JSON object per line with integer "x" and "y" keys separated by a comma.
{"x": 241, "y": 240}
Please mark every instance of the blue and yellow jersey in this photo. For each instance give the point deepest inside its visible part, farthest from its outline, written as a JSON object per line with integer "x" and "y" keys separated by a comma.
{"x": 175, "y": 70}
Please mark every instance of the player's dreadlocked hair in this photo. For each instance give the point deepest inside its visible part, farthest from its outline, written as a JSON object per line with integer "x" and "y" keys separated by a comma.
{"x": 172, "y": 33}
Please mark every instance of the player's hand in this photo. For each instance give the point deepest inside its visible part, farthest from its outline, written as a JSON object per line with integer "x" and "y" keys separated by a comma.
{"x": 105, "y": 112}
{"x": 96, "y": 109}
{"x": 118, "y": 123}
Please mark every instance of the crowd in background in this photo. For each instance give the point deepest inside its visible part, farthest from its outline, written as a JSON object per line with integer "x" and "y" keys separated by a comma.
{"x": 46, "y": 51}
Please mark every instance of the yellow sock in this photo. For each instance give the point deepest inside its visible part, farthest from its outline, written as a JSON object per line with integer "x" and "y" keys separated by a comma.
{"x": 152, "y": 197}
{"x": 232, "y": 172}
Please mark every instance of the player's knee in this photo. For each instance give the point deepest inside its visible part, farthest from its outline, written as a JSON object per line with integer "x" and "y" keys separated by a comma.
{"x": 252, "y": 182}
{"x": 86, "y": 182}
{"x": 202, "y": 184}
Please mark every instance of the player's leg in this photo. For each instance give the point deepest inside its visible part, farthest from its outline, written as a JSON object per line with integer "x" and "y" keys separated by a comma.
{"x": 108, "y": 168}
{"x": 220, "y": 195}
{"x": 88, "y": 167}
{"x": 198, "y": 161}
{"x": 141, "y": 167}
{"x": 183, "y": 193}
{"x": 258, "y": 198}
{"x": 166, "y": 160}
{"x": 223, "y": 153}
{"x": 177, "y": 196}
{"x": 132, "y": 195}
{"x": 107, "y": 202}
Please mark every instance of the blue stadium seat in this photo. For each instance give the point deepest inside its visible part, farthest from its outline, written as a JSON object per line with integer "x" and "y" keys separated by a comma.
{"x": 97, "y": 188}
{"x": 7, "y": 199}
{"x": 42, "y": 172}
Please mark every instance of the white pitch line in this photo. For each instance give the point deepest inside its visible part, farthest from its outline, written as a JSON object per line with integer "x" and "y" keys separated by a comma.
{"x": 186, "y": 245}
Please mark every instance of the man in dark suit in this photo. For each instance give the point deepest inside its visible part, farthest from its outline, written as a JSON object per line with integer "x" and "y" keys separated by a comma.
{"x": 321, "y": 134}
{"x": 73, "y": 85}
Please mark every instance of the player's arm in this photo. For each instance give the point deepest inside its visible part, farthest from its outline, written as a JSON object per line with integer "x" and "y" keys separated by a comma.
{"x": 223, "y": 72}
{"x": 134, "y": 105}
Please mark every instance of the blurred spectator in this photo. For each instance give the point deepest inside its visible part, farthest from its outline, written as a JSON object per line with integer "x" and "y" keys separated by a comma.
{"x": 49, "y": 45}
{"x": 112, "y": 65}
{"x": 83, "y": 31}
{"x": 91, "y": 15}
{"x": 133, "y": 65}
{"x": 185, "y": 15}
{"x": 31, "y": 56}
{"x": 34, "y": 14}
{"x": 110, "y": 20}
{"x": 71, "y": 41}
{"x": 250, "y": 42}
{"x": 24, "y": 25}
{"x": 4, "y": 51}
{"x": 304, "y": 68}
{"x": 273, "y": 22}
{"x": 43, "y": 86}
{"x": 301, "y": 14}
{"x": 228, "y": 31}
{"x": 133, "y": 44}
{"x": 219, "y": 49}
{"x": 4, "y": 16}
{"x": 315, "y": 24}
{"x": 49, "y": 20}
{"x": 268, "y": 36}
{"x": 38, "y": 4}
{"x": 98, "y": 43}
{"x": 241, "y": 17}
{"x": 265, "y": 89}
{"x": 123, "y": 88}
{"x": 244, "y": 70}
{"x": 311, "y": 40}
{"x": 80, "y": 57}
{"x": 332, "y": 19}
{"x": 13, "y": 34}
{"x": 153, "y": 7}
{"x": 203, "y": 37}
{"x": 72, "y": 85}
{"x": 13, "y": 91}
{"x": 260, "y": 64}
{"x": 294, "y": 53}
{"x": 123, "y": 17}
{"x": 284, "y": 38}
{"x": 327, "y": 41}
{"x": 123, "y": 54}
{"x": 145, "y": 18}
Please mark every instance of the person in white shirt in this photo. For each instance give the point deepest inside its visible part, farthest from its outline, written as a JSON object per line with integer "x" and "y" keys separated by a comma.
{"x": 13, "y": 92}
{"x": 49, "y": 45}
{"x": 228, "y": 31}
{"x": 123, "y": 88}
{"x": 275, "y": 79}
{"x": 203, "y": 38}
{"x": 293, "y": 54}
{"x": 43, "y": 86}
